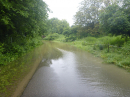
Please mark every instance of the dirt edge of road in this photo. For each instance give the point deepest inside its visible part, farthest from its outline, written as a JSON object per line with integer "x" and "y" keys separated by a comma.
{"x": 24, "y": 82}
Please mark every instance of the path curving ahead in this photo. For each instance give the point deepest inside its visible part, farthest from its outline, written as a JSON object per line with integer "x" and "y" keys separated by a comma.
{"x": 65, "y": 71}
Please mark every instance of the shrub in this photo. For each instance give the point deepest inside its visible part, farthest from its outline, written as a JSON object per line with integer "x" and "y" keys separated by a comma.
{"x": 51, "y": 36}
{"x": 101, "y": 47}
{"x": 91, "y": 39}
{"x": 94, "y": 47}
{"x": 11, "y": 51}
{"x": 115, "y": 40}
{"x": 118, "y": 41}
{"x": 84, "y": 43}
{"x": 125, "y": 62}
{"x": 70, "y": 38}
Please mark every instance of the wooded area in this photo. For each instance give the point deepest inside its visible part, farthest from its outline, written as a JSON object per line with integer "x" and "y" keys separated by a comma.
{"x": 96, "y": 18}
{"x": 21, "y": 23}
{"x": 105, "y": 17}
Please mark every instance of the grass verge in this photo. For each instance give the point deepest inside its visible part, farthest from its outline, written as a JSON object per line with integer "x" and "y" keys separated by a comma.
{"x": 13, "y": 72}
{"x": 118, "y": 52}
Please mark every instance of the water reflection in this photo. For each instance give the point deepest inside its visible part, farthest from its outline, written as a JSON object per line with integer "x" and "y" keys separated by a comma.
{"x": 66, "y": 71}
{"x": 51, "y": 53}
{"x": 86, "y": 70}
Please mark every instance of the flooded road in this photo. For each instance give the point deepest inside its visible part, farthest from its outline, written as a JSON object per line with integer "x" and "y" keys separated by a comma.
{"x": 66, "y": 71}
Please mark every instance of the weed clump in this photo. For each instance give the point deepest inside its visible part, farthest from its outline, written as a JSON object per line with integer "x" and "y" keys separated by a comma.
{"x": 115, "y": 40}
{"x": 90, "y": 39}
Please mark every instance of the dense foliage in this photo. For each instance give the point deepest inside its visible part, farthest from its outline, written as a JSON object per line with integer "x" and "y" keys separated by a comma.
{"x": 97, "y": 17}
{"x": 115, "y": 21}
{"x": 20, "y": 22}
{"x": 56, "y": 27}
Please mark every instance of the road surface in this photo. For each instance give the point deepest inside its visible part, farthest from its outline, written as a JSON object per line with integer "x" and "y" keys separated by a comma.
{"x": 65, "y": 71}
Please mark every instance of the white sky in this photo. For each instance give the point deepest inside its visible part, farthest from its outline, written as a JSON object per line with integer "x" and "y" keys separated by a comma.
{"x": 63, "y": 9}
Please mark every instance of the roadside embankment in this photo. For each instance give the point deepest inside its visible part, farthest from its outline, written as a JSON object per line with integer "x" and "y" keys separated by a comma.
{"x": 23, "y": 83}
{"x": 15, "y": 76}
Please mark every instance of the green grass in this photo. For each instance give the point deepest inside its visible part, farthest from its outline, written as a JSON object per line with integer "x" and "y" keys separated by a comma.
{"x": 11, "y": 51}
{"x": 119, "y": 49}
{"x": 12, "y": 69}
{"x": 61, "y": 38}
{"x": 12, "y": 73}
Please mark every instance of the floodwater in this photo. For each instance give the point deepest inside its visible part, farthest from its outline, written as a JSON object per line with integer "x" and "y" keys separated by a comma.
{"x": 66, "y": 71}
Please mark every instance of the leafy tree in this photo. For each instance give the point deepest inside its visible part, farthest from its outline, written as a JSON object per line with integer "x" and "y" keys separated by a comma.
{"x": 74, "y": 30}
{"x": 126, "y": 8}
{"x": 88, "y": 12}
{"x": 22, "y": 18}
{"x": 88, "y": 18}
{"x": 106, "y": 14}
{"x": 21, "y": 21}
{"x": 57, "y": 26}
{"x": 113, "y": 20}
{"x": 119, "y": 24}
{"x": 67, "y": 32}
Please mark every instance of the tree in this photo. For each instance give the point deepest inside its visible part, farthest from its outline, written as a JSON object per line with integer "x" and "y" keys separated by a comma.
{"x": 21, "y": 21}
{"x": 88, "y": 17}
{"x": 88, "y": 12}
{"x": 126, "y": 8}
{"x": 119, "y": 24}
{"x": 57, "y": 26}
{"x": 22, "y": 18}
{"x": 113, "y": 20}
{"x": 105, "y": 15}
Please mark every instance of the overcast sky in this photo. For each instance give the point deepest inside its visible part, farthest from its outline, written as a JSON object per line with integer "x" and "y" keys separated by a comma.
{"x": 63, "y": 9}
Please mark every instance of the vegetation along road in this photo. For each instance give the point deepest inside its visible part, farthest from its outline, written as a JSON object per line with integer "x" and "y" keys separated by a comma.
{"x": 101, "y": 27}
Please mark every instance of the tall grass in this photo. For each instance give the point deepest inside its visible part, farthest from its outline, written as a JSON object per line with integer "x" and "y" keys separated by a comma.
{"x": 115, "y": 40}
{"x": 119, "y": 49}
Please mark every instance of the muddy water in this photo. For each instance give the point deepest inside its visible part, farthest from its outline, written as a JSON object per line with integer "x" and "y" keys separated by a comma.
{"x": 65, "y": 71}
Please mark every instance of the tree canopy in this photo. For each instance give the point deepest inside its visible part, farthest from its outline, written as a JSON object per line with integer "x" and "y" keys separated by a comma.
{"x": 57, "y": 26}
{"x": 22, "y": 18}
{"x": 21, "y": 24}
{"x": 96, "y": 17}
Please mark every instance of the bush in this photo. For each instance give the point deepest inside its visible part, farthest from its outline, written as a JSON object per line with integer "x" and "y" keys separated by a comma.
{"x": 105, "y": 39}
{"x": 51, "y": 36}
{"x": 84, "y": 43}
{"x": 11, "y": 51}
{"x": 118, "y": 41}
{"x": 125, "y": 62}
{"x": 115, "y": 40}
{"x": 91, "y": 39}
{"x": 70, "y": 38}
{"x": 101, "y": 47}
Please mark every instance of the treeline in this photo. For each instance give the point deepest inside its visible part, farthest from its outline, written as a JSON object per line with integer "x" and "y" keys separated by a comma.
{"x": 95, "y": 18}
{"x": 56, "y": 27}
{"x": 102, "y": 17}
{"x": 21, "y": 23}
